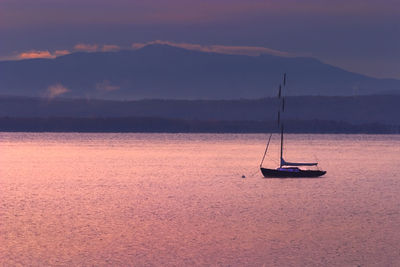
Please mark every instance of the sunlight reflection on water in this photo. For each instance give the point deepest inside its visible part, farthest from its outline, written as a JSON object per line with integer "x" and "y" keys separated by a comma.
{"x": 179, "y": 199}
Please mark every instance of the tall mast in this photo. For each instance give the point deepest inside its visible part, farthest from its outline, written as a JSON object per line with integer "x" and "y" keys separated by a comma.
{"x": 281, "y": 159}
{"x": 282, "y": 108}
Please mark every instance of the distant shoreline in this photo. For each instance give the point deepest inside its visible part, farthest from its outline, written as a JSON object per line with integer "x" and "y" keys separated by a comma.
{"x": 357, "y": 110}
{"x": 162, "y": 125}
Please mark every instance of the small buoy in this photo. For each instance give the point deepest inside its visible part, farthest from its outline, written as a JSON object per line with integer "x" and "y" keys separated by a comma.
{"x": 243, "y": 176}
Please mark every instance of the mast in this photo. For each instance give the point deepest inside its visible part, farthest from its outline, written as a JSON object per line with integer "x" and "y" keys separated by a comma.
{"x": 280, "y": 124}
{"x": 281, "y": 159}
{"x": 282, "y": 108}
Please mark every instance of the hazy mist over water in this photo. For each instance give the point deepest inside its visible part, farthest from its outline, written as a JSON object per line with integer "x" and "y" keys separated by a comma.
{"x": 179, "y": 199}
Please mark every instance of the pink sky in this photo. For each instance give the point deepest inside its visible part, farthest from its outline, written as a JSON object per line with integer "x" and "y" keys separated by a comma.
{"x": 20, "y": 13}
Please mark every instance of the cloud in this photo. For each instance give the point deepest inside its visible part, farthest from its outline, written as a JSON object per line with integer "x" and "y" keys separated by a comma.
{"x": 86, "y": 47}
{"x": 35, "y": 54}
{"x": 109, "y": 48}
{"x": 42, "y": 54}
{"x": 96, "y": 47}
{"x": 223, "y": 49}
{"x": 79, "y": 47}
{"x": 139, "y": 45}
{"x": 56, "y": 90}
{"x": 106, "y": 86}
{"x": 61, "y": 53}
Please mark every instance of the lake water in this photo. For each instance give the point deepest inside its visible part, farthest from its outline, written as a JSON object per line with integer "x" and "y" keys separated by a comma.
{"x": 179, "y": 200}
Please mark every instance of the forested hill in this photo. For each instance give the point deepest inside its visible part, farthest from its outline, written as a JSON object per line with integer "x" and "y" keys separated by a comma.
{"x": 355, "y": 110}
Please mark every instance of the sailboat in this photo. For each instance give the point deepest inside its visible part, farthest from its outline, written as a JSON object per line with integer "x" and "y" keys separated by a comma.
{"x": 286, "y": 169}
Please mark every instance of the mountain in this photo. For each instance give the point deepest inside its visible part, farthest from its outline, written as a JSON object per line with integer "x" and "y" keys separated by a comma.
{"x": 162, "y": 71}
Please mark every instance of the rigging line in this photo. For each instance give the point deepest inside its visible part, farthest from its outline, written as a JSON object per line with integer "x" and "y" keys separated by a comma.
{"x": 279, "y": 118}
{"x": 252, "y": 175}
{"x": 265, "y": 152}
{"x": 284, "y": 79}
{"x": 280, "y": 91}
{"x": 316, "y": 159}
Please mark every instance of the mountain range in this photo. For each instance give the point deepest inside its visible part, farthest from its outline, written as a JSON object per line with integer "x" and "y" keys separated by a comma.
{"x": 162, "y": 71}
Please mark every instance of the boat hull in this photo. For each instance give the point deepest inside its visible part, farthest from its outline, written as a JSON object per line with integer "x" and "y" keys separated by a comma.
{"x": 276, "y": 173}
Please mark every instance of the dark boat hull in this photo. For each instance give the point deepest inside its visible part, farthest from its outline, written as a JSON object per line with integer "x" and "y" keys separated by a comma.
{"x": 275, "y": 173}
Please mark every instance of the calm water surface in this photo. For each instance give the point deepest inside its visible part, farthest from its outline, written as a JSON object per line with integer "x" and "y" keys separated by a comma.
{"x": 179, "y": 199}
